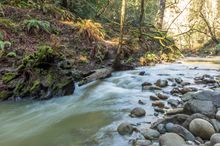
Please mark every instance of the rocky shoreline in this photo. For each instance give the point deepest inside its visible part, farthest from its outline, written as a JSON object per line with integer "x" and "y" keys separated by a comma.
{"x": 191, "y": 119}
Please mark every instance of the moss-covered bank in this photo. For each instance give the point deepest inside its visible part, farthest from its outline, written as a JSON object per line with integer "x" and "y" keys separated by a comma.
{"x": 40, "y": 76}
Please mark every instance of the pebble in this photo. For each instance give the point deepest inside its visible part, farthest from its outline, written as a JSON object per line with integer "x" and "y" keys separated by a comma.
{"x": 137, "y": 112}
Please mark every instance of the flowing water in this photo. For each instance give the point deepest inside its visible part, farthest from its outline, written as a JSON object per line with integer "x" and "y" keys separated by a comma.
{"x": 90, "y": 117}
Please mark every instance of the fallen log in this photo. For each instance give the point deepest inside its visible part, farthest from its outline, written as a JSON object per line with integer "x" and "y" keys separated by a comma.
{"x": 96, "y": 75}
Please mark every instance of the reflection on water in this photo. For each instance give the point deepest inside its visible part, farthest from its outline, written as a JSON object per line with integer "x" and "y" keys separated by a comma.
{"x": 91, "y": 116}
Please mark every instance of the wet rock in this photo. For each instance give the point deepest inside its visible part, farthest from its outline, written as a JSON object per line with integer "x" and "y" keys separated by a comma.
{"x": 218, "y": 144}
{"x": 159, "y": 110}
{"x": 158, "y": 104}
{"x": 178, "y": 80}
{"x": 206, "y": 95}
{"x": 174, "y": 111}
{"x": 125, "y": 129}
{"x": 201, "y": 128}
{"x": 146, "y": 84}
{"x": 161, "y": 128}
{"x": 199, "y": 106}
{"x": 161, "y": 83}
{"x": 175, "y": 91}
{"x": 142, "y": 143}
{"x": 215, "y": 138}
{"x": 171, "y": 139}
{"x": 185, "y": 83}
{"x": 173, "y": 102}
{"x": 154, "y": 98}
{"x": 218, "y": 115}
{"x": 142, "y": 73}
{"x": 162, "y": 96}
{"x": 215, "y": 123}
{"x": 178, "y": 129}
{"x": 150, "y": 134}
{"x": 137, "y": 112}
{"x": 151, "y": 88}
{"x": 141, "y": 102}
{"x": 185, "y": 90}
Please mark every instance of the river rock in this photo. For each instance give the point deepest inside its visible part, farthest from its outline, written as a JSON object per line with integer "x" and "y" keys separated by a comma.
{"x": 185, "y": 90}
{"x": 218, "y": 144}
{"x": 178, "y": 80}
{"x": 151, "y": 88}
{"x": 161, "y": 128}
{"x": 137, "y": 112}
{"x": 154, "y": 98}
{"x": 125, "y": 129}
{"x": 142, "y": 143}
{"x": 158, "y": 104}
{"x": 173, "y": 102}
{"x": 171, "y": 139}
{"x": 161, "y": 83}
{"x": 162, "y": 96}
{"x": 200, "y": 106}
{"x": 205, "y": 95}
{"x": 159, "y": 110}
{"x": 142, "y": 73}
{"x": 218, "y": 115}
{"x": 201, "y": 128}
{"x": 215, "y": 138}
{"x": 185, "y": 83}
{"x": 174, "y": 111}
{"x": 150, "y": 134}
{"x": 180, "y": 130}
{"x": 146, "y": 84}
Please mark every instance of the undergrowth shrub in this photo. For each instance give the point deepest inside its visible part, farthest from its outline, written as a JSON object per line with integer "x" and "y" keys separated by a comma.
{"x": 34, "y": 26}
{"x": 89, "y": 30}
{"x": 57, "y": 12}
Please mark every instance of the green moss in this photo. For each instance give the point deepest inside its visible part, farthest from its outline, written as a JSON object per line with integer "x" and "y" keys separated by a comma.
{"x": 4, "y": 95}
{"x": 35, "y": 86}
{"x": 8, "y": 77}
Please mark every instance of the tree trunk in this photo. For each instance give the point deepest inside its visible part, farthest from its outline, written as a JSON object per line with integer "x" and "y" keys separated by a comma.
{"x": 161, "y": 13}
{"x": 64, "y": 3}
{"x": 117, "y": 62}
{"x": 141, "y": 17}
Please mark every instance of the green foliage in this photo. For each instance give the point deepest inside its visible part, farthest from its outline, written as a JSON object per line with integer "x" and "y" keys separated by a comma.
{"x": 42, "y": 58}
{"x": 217, "y": 49}
{"x": 57, "y": 12}
{"x": 8, "y": 77}
{"x": 3, "y": 44}
{"x": 7, "y": 23}
{"x": 19, "y": 3}
{"x": 37, "y": 25}
{"x": 12, "y": 54}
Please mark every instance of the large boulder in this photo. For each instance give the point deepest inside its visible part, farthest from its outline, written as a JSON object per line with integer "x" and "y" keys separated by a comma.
{"x": 201, "y": 128}
{"x": 200, "y": 106}
{"x": 205, "y": 95}
{"x": 171, "y": 139}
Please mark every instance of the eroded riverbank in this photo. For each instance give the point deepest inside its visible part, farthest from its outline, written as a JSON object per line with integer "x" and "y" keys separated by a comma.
{"x": 91, "y": 116}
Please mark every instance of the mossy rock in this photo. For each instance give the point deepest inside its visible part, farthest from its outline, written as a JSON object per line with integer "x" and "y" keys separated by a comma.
{"x": 4, "y": 94}
{"x": 40, "y": 77}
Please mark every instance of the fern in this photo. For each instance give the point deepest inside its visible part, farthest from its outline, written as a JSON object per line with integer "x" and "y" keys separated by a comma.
{"x": 11, "y": 54}
{"x": 37, "y": 25}
{"x": 3, "y": 44}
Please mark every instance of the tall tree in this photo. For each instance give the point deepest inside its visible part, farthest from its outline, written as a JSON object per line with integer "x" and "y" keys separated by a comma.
{"x": 141, "y": 17}
{"x": 120, "y": 53}
{"x": 161, "y": 13}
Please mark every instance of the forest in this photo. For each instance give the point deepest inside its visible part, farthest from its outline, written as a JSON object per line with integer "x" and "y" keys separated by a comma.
{"x": 109, "y": 72}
